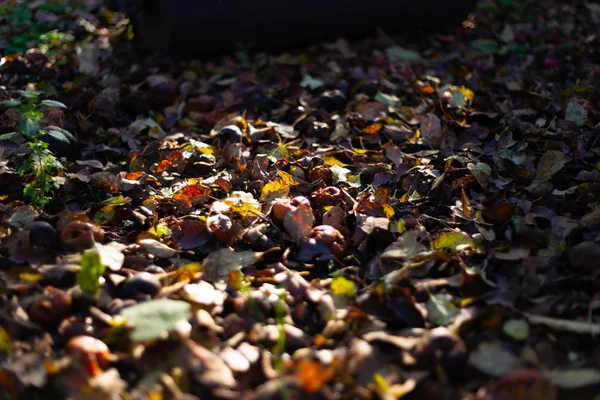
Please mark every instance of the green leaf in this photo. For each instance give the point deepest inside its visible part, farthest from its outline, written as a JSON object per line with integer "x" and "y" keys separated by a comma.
{"x": 29, "y": 127}
{"x": 341, "y": 174}
{"x": 494, "y": 359}
{"x": 485, "y": 46}
{"x": 516, "y": 328}
{"x": 162, "y": 231}
{"x": 441, "y": 310}
{"x": 58, "y": 135}
{"x": 387, "y": 99}
{"x": 576, "y": 113}
{"x": 574, "y": 378}
{"x": 91, "y": 270}
{"x": 397, "y": 53}
{"x": 117, "y": 200}
{"x": 30, "y": 94}
{"x": 53, "y": 103}
{"x": 34, "y": 115}
{"x": 8, "y": 136}
{"x": 152, "y": 319}
{"x": 11, "y": 103}
{"x": 311, "y": 83}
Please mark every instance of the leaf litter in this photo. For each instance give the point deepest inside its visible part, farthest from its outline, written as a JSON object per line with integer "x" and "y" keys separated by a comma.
{"x": 378, "y": 218}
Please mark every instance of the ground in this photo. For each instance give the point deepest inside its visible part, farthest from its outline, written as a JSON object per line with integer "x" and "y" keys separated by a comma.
{"x": 392, "y": 217}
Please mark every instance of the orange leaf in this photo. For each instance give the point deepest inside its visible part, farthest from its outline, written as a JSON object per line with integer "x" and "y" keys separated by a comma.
{"x": 373, "y": 129}
{"x": 224, "y": 184}
{"x": 192, "y": 193}
{"x": 466, "y": 206}
{"x": 299, "y": 222}
{"x": 499, "y": 211}
{"x": 427, "y": 89}
{"x": 135, "y": 176}
{"x": 172, "y": 160}
{"x": 313, "y": 375}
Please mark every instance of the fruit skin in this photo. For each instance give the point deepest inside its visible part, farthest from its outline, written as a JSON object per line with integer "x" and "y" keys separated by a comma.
{"x": 143, "y": 283}
{"x": 87, "y": 349}
{"x": 333, "y": 100}
{"x": 328, "y": 196}
{"x": 286, "y": 205}
{"x": 322, "y": 173}
{"x": 75, "y": 326}
{"x": 202, "y": 103}
{"x": 42, "y": 234}
{"x": 79, "y": 235}
{"x": 442, "y": 349}
{"x": 51, "y": 309}
{"x": 330, "y": 237}
{"x": 230, "y": 133}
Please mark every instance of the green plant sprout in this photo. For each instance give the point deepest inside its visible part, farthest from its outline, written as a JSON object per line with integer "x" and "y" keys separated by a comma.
{"x": 41, "y": 163}
{"x": 22, "y": 30}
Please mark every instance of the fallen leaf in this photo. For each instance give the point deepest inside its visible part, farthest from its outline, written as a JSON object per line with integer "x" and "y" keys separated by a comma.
{"x": 152, "y": 319}
{"x": 299, "y": 222}
{"x": 111, "y": 255}
{"x": 431, "y": 130}
{"x": 574, "y": 378}
{"x": 218, "y": 264}
{"x": 565, "y": 325}
{"x": 482, "y": 173}
{"x": 313, "y": 375}
{"x": 397, "y": 53}
{"x": 452, "y": 241}
{"x": 156, "y": 248}
{"x": 576, "y": 113}
{"x": 88, "y": 277}
{"x": 341, "y": 286}
{"x": 516, "y": 328}
{"x": 485, "y": 46}
{"x": 493, "y": 359}
{"x": 275, "y": 189}
{"x": 441, "y": 310}
{"x": 551, "y": 162}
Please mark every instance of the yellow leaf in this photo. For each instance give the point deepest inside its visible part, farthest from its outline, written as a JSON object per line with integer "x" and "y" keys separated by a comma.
{"x": 467, "y": 93}
{"x": 451, "y": 241}
{"x": 287, "y": 178}
{"x": 204, "y": 148}
{"x": 244, "y": 210}
{"x": 186, "y": 271}
{"x": 343, "y": 287}
{"x": 275, "y": 189}
{"x": 382, "y": 195}
{"x": 156, "y": 395}
{"x": 329, "y": 161}
{"x": 5, "y": 341}
{"x": 398, "y": 226}
{"x": 388, "y": 211}
{"x": 415, "y": 137}
{"x": 405, "y": 197}
{"x": 30, "y": 276}
{"x": 381, "y": 383}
